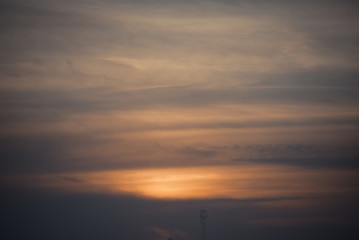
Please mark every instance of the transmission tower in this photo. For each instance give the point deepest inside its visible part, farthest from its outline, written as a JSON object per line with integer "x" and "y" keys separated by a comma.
{"x": 203, "y": 217}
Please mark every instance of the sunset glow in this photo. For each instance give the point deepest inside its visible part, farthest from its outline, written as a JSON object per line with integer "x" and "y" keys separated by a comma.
{"x": 232, "y": 182}
{"x": 123, "y": 119}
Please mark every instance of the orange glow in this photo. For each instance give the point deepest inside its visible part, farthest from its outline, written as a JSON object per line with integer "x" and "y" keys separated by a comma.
{"x": 236, "y": 182}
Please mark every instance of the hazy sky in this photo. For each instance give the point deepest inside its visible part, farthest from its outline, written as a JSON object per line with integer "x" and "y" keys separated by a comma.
{"x": 122, "y": 119}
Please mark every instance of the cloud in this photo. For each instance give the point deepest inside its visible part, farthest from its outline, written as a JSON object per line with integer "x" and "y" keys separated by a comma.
{"x": 148, "y": 45}
{"x": 222, "y": 99}
{"x": 198, "y": 152}
{"x": 94, "y": 215}
{"x": 309, "y": 156}
{"x": 346, "y": 163}
{"x": 250, "y": 181}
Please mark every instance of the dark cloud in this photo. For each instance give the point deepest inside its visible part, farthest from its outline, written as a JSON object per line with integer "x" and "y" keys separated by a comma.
{"x": 88, "y": 100}
{"x": 41, "y": 215}
{"x": 309, "y": 156}
{"x": 296, "y": 150}
{"x": 341, "y": 163}
{"x": 28, "y": 154}
{"x": 70, "y": 179}
{"x": 198, "y": 152}
{"x": 53, "y": 153}
{"x": 322, "y": 77}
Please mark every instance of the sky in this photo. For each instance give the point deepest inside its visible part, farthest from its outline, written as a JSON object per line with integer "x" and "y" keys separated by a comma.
{"x": 123, "y": 119}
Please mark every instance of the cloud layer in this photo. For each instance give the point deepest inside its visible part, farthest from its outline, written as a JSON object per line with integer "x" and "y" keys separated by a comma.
{"x": 101, "y": 97}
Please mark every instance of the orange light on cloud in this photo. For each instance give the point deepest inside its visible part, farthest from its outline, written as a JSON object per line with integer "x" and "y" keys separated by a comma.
{"x": 234, "y": 182}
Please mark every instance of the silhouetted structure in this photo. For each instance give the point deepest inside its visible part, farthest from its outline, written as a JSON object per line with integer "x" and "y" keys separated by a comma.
{"x": 203, "y": 216}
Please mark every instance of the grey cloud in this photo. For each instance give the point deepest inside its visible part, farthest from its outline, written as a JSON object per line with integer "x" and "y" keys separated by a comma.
{"x": 329, "y": 25}
{"x": 52, "y": 153}
{"x": 70, "y": 179}
{"x": 298, "y": 149}
{"x": 324, "y": 77}
{"x": 198, "y": 97}
{"x": 48, "y": 28}
{"x": 198, "y": 152}
{"x": 103, "y": 99}
{"x": 281, "y": 148}
{"x": 315, "y": 163}
{"x": 309, "y": 156}
{"x": 39, "y": 154}
{"x": 73, "y": 32}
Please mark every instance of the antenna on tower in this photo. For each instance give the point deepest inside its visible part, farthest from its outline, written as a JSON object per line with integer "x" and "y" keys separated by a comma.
{"x": 203, "y": 216}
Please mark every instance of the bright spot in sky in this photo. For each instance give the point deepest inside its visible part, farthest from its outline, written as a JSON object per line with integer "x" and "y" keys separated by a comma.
{"x": 234, "y": 182}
